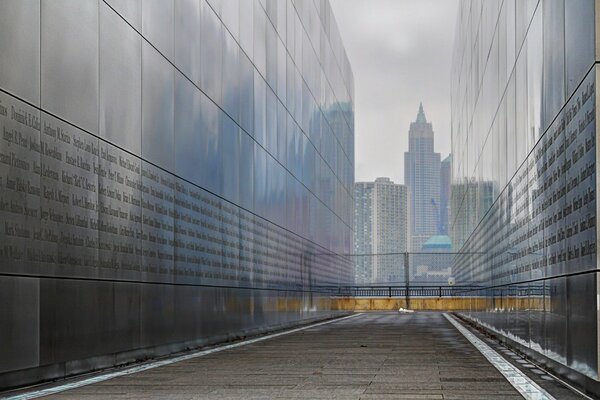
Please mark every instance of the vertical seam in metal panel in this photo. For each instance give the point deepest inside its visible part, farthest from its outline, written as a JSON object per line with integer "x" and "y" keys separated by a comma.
{"x": 597, "y": 31}
{"x": 597, "y": 56}
{"x": 39, "y": 299}
{"x": 140, "y": 292}
{"x": 98, "y": 66}
{"x": 597, "y": 127}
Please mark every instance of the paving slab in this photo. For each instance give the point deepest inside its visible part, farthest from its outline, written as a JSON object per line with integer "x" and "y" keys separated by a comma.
{"x": 384, "y": 355}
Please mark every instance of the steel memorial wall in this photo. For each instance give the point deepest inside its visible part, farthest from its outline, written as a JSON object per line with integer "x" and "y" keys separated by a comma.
{"x": 172, "y": 174}
{"x": 524, "y": 146}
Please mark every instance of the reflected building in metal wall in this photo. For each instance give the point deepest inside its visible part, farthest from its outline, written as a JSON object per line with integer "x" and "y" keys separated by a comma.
{"x": 524, "y": 118}
{"x": 445, "y": 190}
{"x": 172, "y": 173}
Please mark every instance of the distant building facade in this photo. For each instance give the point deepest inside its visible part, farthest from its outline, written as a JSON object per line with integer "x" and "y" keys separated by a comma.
{"x": 363, "y": 231}
{"x": 382, "y": 230}
{"x": 445, "y": 184}
{"x": 422, "y": 177}
{"x": 434, "y": 263}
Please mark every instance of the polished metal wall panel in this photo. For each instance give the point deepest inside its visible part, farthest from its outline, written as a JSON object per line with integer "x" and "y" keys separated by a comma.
{"x": 107, "y": 315}
{"x": 69, "y": 63}
{"x": 157, "y": 315}
{"x": 120, "y": 229}
{"x": 246, "y": 171}
{"x": 130, "y": 10}
{"x": 188, "y": 38}
{"x": 19, "y": 323}
{"x": 556, "y": 321}
{"x": 230, "y": 90}
{"x": 157, "y": 108}
{"x": 158, "y": 25}
{"x": 246, "y": 76}
{"x": 211, "y": 53}
{"x": 187, "y": 129}
{"x": 260, "y": 110}
{"x": 22, "y": 193}
{"x": 246, "y": 27}
{"x": 69, "y": 203}
{"x": 582, "y": 324}
{"x": 210, "y": 146}
{"x": 154, "y": 164}
{"x": 120, "y": 82}
{"x": 20, "y": 48}
{"x": 554, "y": 58}
{"x": 158, "y": 223}
{"x": 230, "y": 139}
{"x": 579, "y": 40}
{"x": 65, "y": 315}
{"x": 528, "y": 230}
{"x": 260, "y": 35}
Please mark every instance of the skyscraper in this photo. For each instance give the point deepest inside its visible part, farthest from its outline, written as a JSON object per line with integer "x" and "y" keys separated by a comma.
{"x": 172, "y": 173}
{"x": 381, "y": 228}
{"x": 422, "y": 177}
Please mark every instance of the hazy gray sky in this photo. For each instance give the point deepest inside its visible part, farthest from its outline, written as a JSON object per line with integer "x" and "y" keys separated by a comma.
{"x": 400, "y": 52}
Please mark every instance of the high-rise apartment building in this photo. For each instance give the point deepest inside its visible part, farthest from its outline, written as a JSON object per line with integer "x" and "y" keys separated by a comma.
{"x": 382, "y": 230}
{"x": 422, "y": 177}
{"x": 524, "y": 89}
{"x": 172, "y": 173}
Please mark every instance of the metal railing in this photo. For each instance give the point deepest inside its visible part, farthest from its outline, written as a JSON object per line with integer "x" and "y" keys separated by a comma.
{"x": 403, "y": 291}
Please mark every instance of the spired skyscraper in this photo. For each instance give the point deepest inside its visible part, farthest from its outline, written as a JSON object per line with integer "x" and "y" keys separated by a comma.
{"x": 422, "y": 177}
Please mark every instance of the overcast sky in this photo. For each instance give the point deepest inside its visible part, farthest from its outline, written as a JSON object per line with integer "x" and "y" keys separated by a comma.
{"x": 400, "y": 52}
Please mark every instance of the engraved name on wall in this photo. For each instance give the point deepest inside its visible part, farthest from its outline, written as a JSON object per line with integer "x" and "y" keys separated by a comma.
{"x": 74, "y": 205}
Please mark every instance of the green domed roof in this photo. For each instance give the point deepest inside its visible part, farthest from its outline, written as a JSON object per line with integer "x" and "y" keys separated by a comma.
{"x": 438, "y": 242}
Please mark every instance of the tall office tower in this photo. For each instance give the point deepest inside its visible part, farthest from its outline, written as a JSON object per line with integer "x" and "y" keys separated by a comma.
{"x": 422, "y": 176}
{"x": 382, "y": 229}
{"x": 445, "y": 183}
{"x": 172, "y": 173}
{"x": 524, "y": 117}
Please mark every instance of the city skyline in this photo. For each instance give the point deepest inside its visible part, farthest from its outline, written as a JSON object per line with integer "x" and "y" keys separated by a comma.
{"x": 400, "y": 50}
{"x": 271, "y": 199}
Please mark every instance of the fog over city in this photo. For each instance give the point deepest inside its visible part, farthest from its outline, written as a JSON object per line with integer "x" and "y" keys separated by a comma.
{"x": 400, "y": 51}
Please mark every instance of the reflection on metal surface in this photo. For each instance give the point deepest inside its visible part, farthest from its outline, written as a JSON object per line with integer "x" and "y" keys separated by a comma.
{"x": 129, "y": 158}
{"x": 524, "y": 170}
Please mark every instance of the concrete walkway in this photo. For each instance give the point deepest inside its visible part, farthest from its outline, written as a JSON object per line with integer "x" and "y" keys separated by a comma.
{"x": 370, "y": 356}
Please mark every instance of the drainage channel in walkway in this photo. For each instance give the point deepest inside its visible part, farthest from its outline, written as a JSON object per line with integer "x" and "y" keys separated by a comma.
{"x": 387, "y": 355}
